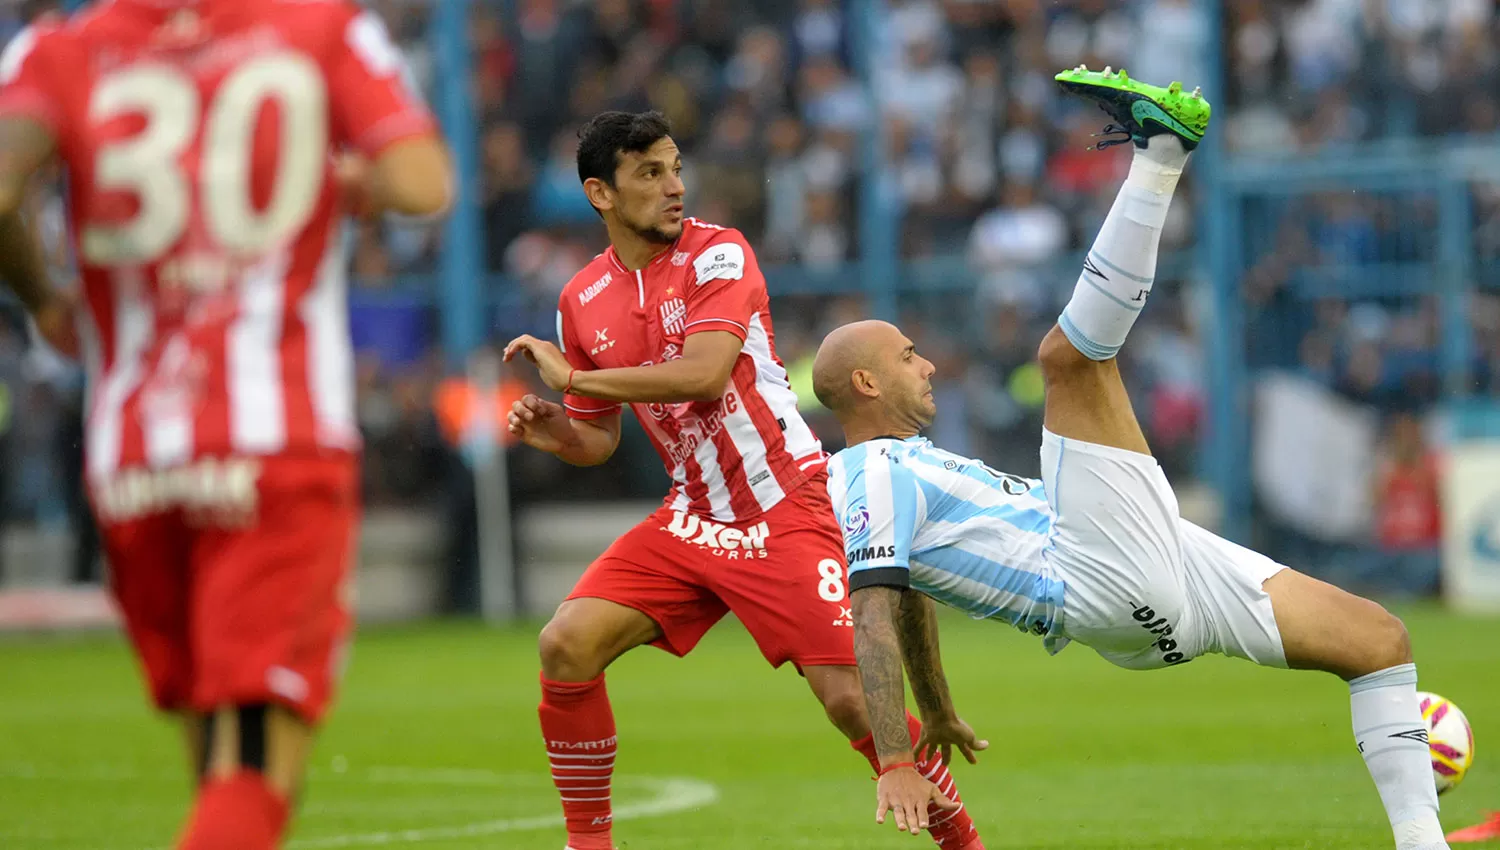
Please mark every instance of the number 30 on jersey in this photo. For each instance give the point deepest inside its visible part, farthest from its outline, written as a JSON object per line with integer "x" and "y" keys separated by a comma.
{"x": 151, "y": 165}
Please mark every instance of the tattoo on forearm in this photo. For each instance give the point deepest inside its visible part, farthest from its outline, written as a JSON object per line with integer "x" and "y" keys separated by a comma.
{"x": 878, "y": 649}
{"x": 919, "y": 647}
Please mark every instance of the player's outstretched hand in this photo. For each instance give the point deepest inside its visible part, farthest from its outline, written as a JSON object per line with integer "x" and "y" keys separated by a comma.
{"x": 947, "y": 733}
{"x": 550, "y": 363}
{"x": 904, "y": 792}
{"x": 540, "y": 424}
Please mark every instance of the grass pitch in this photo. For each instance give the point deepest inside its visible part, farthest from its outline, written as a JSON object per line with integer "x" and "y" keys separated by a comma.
{"x": 435, "y": 745}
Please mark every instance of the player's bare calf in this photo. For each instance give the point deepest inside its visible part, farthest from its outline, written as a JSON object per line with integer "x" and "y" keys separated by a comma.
{"x": 1085, "y": 398}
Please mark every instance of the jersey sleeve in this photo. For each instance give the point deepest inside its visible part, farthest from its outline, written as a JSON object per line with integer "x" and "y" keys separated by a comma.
{"x": 26, "y": 75}
{"x": 579, "y": 407}
{"x": 727, "y": 288}
{"x": 881, "y": 507}
{"x": 373, "y": 97}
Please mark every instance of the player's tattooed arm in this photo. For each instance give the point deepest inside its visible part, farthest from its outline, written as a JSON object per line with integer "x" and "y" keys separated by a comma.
{"x": 877, "y": 646}
{"x": 25, "y": 147}
{"x": 917, "y": 620}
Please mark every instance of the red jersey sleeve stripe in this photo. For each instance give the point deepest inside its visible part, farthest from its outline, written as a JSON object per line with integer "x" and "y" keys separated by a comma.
{"x": 730, "y": 325}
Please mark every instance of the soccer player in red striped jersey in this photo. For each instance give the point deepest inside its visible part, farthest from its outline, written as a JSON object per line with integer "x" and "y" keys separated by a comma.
{"x": 221, "y": 449}
{"x": 674, "y": 321}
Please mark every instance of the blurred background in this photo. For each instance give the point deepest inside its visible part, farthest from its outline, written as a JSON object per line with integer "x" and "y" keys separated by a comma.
{"x": 1317, "y": 370}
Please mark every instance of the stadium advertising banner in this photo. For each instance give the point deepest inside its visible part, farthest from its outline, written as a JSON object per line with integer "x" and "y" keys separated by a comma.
{"x": 1471, "y": 526}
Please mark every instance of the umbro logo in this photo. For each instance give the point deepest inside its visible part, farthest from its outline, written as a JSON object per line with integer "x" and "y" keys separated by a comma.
{"x": 1418, "y": 735}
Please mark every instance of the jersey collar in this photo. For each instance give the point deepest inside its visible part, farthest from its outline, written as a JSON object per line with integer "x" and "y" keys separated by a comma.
{"x": 614, "y": 258}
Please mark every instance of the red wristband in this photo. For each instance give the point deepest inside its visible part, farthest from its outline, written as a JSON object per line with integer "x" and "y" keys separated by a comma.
{"x": 897, "y": 766}
{"x": 569, "y": 387}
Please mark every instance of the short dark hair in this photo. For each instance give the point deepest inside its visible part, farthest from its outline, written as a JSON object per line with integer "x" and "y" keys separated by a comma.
{"x": 609, "y": 134}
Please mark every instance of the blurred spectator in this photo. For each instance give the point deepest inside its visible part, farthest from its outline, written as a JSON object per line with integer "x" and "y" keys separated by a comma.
{"x": 508, "y": 177}
{"x": 1408, "y": 509}
{"x": 1408, "y": 513}
{"x": 1011, "y": 243}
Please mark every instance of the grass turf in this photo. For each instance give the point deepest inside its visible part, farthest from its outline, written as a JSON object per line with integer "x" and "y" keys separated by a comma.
{"x": 434, "y": 745}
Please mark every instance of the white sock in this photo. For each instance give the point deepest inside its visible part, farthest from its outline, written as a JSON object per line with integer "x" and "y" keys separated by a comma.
{"x": 1121, "y": 266}
{"x": 1393, "y": 740}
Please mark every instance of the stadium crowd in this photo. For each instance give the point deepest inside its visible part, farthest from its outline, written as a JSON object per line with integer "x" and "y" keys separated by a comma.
{"x": 772, "y": 102}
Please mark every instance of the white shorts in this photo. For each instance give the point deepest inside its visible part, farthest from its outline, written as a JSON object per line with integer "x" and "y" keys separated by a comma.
{"x": 1145, "y": 588}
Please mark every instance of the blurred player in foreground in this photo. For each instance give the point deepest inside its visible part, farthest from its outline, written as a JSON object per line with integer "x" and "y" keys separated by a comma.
{"x": 1096, "y": 551}
{"x": 221, "y": 443}
{"x": 674, "y": 320}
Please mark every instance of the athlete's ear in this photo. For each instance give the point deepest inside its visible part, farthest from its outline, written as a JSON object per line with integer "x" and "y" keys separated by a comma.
{"x": 599, "y": 194}
{"x": 864, "y": 383}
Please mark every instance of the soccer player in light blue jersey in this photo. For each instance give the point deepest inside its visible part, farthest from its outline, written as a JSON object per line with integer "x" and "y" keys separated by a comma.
{"x": 1096, "y": 552}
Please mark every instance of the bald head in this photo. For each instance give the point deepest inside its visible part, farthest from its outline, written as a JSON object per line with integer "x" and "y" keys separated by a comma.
{"x": 849, "y": 348}
{"x": 872, "y": 378}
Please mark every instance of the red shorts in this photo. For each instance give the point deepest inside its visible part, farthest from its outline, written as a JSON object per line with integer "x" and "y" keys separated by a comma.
{"x": 782, "y": 575}
{"x": 235, "y": 593}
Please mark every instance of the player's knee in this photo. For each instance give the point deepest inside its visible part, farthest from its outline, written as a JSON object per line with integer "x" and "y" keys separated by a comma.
{"x": 1058, "y": 357}
{"x": 1390, "y": 644}
{"x": 567, "y": 653}
{"x": 1380, "y": 641}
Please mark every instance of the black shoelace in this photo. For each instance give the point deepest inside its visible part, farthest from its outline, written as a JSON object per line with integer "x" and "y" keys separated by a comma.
{"x": 1113, "y": 135}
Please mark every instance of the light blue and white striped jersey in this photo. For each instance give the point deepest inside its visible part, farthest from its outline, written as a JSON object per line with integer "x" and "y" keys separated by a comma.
{"x": 917, "y": 516}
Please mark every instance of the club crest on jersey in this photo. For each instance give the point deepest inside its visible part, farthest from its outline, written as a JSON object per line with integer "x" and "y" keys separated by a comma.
{"x": 723, "y": 540}
{"x": 856, "y": 520}
{"x": 673, "y": 313}
{"x": 595, "y": 288}
{"x": 680, "y": 258}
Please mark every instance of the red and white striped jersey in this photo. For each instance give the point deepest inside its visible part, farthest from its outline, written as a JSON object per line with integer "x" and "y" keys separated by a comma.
{"x": 198, "y": 137}
{"x": 730, "y": 459}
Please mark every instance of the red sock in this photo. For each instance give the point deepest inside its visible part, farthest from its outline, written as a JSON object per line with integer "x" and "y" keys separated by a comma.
{"x": 238, "y": 813}
{"x": 950, "y": 830}
{"x": 579, "y": 730}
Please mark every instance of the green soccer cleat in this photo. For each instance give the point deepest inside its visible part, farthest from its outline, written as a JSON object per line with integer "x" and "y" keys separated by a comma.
{"x": 1140, "y": 110}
